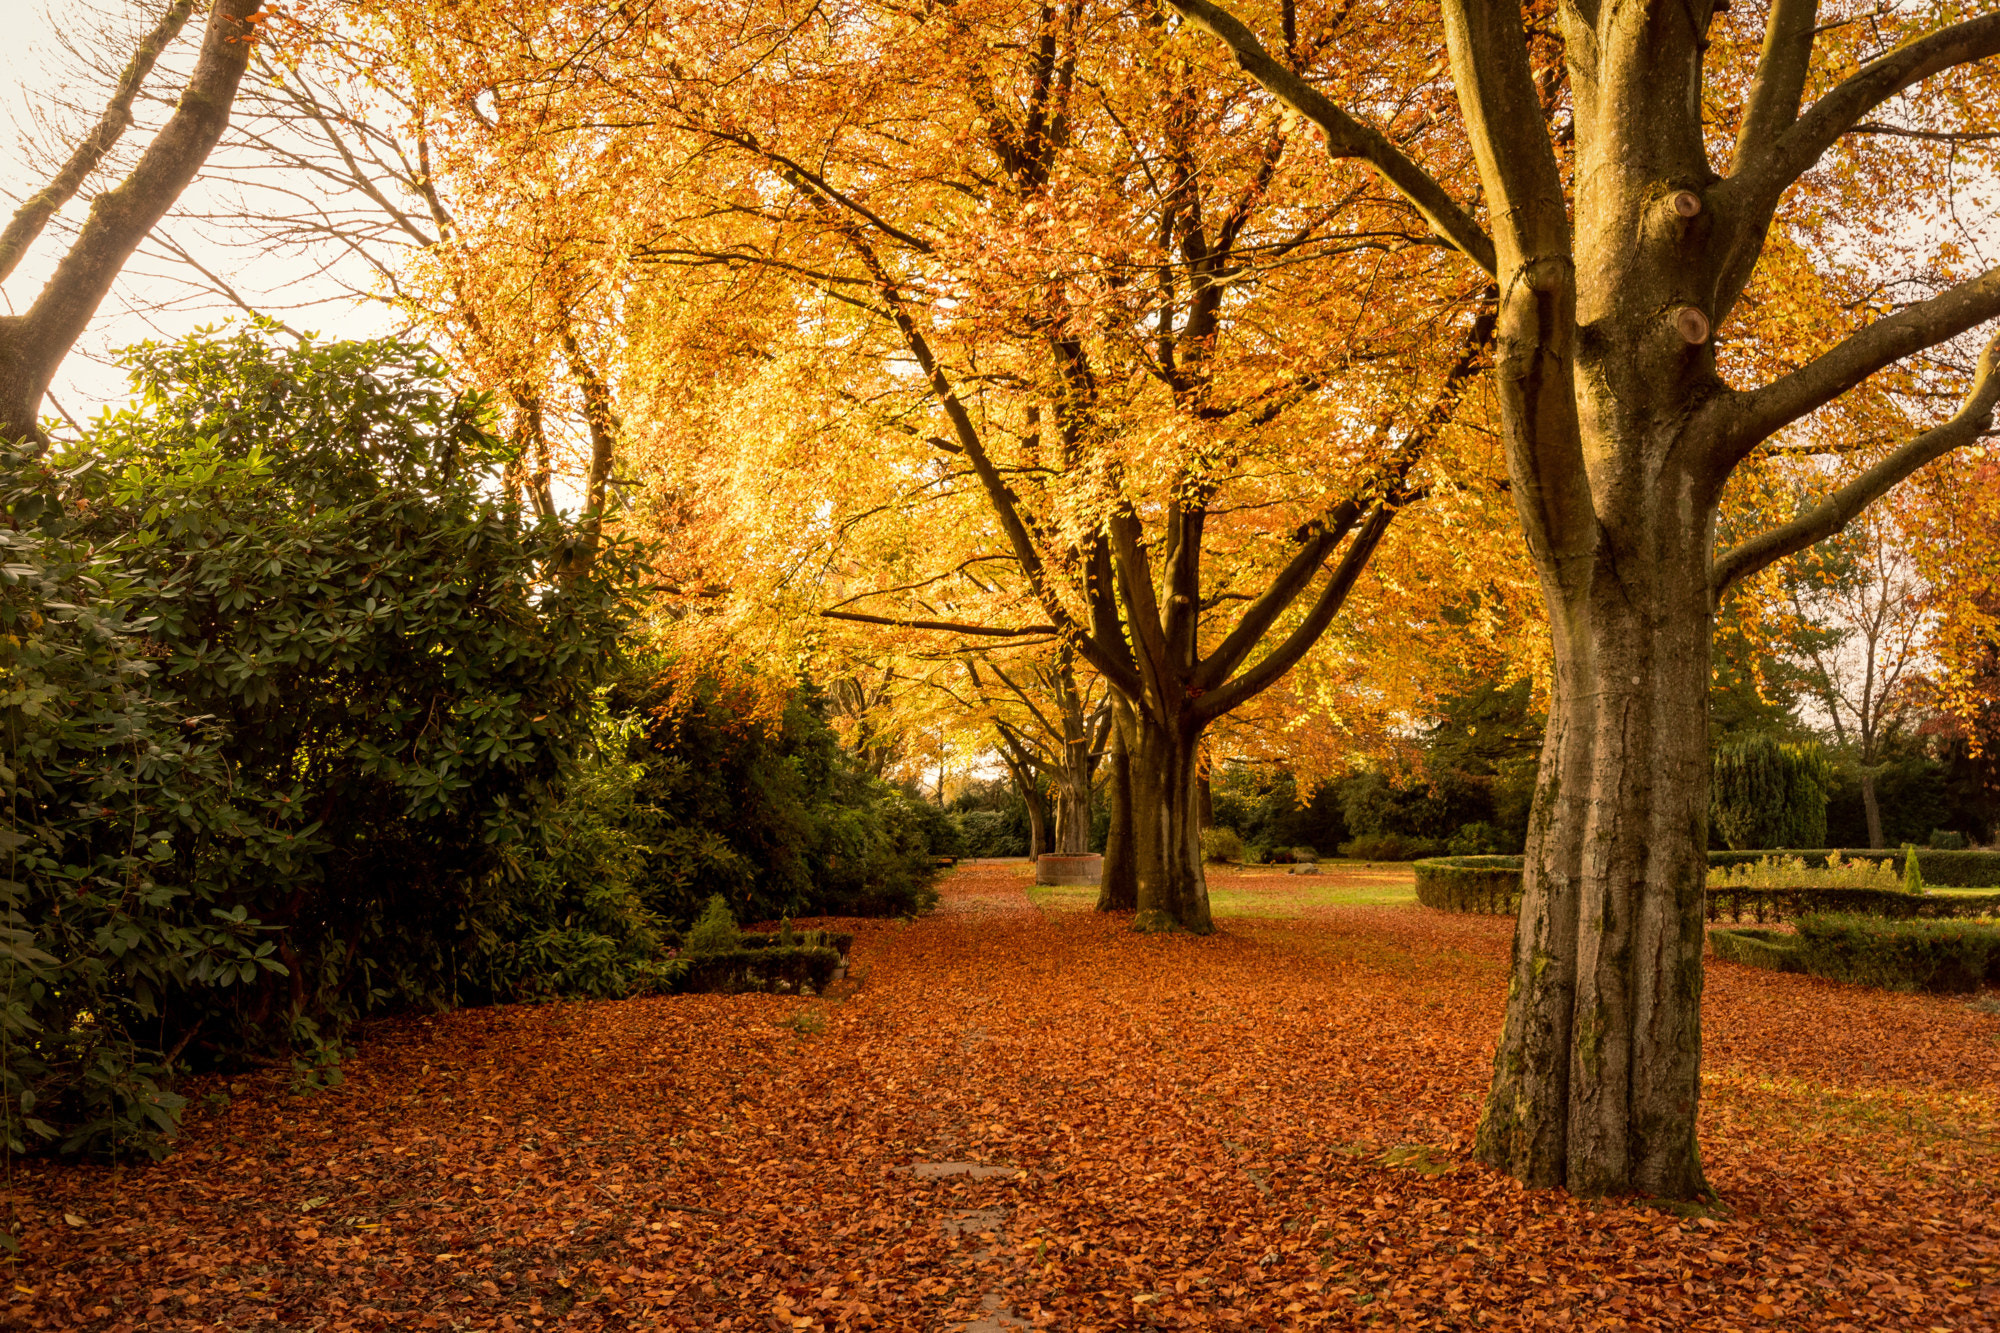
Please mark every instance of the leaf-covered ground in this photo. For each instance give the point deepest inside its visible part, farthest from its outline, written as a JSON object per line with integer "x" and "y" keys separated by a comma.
{"x": 1265, "y": 1129}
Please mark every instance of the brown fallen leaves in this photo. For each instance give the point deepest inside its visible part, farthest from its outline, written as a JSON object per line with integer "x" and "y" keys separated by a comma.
{"x": 1262, "y": 1130}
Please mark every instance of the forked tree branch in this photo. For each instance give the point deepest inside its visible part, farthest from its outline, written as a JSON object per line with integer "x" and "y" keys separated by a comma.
{"x": 1840, "y": 508}
{"x": 1764, "y": 170}
{"x": 1346, "y": 137}
{"x": 34, "y": 214}
{"x": 1780, "y": 84}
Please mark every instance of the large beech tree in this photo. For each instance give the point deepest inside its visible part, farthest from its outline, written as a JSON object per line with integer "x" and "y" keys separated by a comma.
{"x": 1623, "y": 222}
{"x": 34, "y": 343}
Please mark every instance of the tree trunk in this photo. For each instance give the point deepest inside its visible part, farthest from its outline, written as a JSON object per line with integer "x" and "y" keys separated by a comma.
{"x": 1599, "y": 1067}
{"x": 1038, "y": 821}
{"x": 1118, "y": 888}
{"x": 1871, "y": 806}
{"x": 1173, "y": 892}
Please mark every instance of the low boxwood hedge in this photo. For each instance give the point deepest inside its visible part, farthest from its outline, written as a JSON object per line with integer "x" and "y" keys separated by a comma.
{"x": 1492, "y": 884}
{"x": 767, "y": 967}
{"x": 1941, "y": 957}
{"x": 1944, "y": 957}
{"x": 1773, "y": 949}
{"x": 1941, "y": 869}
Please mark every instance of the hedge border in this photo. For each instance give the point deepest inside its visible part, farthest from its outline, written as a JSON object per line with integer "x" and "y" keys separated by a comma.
{"x": 1767, "y": 949}
{"x": 774, "y": 967}
{"x": 1491, "y": 885}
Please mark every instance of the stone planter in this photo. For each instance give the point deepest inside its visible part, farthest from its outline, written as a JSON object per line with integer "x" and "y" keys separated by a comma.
{"x": 1071, "y": 870}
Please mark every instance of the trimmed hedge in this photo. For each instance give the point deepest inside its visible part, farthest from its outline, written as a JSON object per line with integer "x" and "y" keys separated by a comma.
{"x": 1940, "y": 957}
{"x": 770, "y": 967}
{"x": 1943, "y": 957}
{"x": 1492, "y": 884}
{"x": 1489, "y": 884}
{"x": 1940, "y": 869}
{"x": 1772, "y": 949}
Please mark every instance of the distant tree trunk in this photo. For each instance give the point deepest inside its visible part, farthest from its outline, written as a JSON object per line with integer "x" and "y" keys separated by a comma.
{"x": 1038, "y": 823}
{"x": 1870, "y": 805}
{"x": 1205, "y": 801}
{"x": 1118, "y": 889}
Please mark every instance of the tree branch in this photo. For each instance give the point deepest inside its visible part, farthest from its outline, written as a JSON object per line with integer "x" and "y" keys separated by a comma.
{"x": 33, "y": 215}
{"x": 1773, "y": 104}
{"x": 34, "y": 344}
{"x": 1763, "y": 171}
{"x": 1840, "y": 508}
{"x": 954, "y": 626}
{"x": 1748, "y": 419}
{"x": 1346, "y": 137}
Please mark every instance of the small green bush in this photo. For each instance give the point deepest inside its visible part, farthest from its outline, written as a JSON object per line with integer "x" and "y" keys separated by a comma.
{"x": 1834, "y": 871}
{"x": 715, "y": 932}
{"x": 1480, "y": 839}
{"x": 1947, "y": 840}
{"x": 1221, "y": 844}
{"x": 1305, "y": 856}
{"x": 1944, "y": 957}
{"x": 1913, "y": 874}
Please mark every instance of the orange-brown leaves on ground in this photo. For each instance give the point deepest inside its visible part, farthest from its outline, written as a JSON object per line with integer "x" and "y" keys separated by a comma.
{"x": 1261, "y": 1130}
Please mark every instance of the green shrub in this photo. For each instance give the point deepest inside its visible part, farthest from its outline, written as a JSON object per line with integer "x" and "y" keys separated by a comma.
{"x": 1913, "y": 874}
{"x": 1947, "y": 840}
{"x": 1478, "y": 839}
{"x": 802, "y": 969}
{"x": 1304, "y": 856}
{"x": 1935, "y": 956}
{"x": 1831, "y": 871}
{"x": 1767, "y": 793}
{"x": 1221, "y": 844}
{"x": 714, "y": 931}
{"x": 1389, "y": 847}
{"x": 1772, "y": 949}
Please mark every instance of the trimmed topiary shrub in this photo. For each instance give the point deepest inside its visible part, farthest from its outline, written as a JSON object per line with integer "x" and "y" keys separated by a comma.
{"x": 1942, "y": 957}
{"x": 776, "y": 968}
{"x": 1947, "y": 840}
{"x": 1442, "y": 883}
{"x": 1488, "y": 884}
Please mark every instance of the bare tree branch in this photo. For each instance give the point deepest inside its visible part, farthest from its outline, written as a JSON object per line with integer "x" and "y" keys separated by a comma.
{"x": 33, "y": 345}
{"x": 32, "y": 216}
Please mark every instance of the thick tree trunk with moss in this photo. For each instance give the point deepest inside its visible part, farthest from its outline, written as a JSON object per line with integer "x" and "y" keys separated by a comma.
{"x": 1599, "y": 1066}
{"x": 1617, "y": 247}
